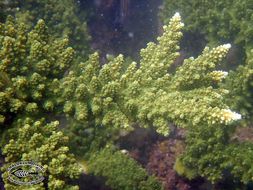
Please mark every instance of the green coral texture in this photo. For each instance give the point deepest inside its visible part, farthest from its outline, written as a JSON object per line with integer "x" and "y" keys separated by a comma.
{"x": 223, "y": 21}
{"x": 227, "y": 20}
{"x": 115, "y": 163}
{"x": 240, "y": 85}
{"x": 148, "y": 93}
{"x": 64, "y": 19}
{"x": 30, "y": 73}
{"x": 32, "y": 65}
{"x": 41, "y": 79}
{"x": 45, "y": 146}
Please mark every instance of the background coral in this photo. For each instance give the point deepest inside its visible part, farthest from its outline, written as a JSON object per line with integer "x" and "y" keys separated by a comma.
{"x": 220, "y": 21}
{"x": 212, "y": 154}
{"x": 240, "y": 85}
{"x": 121, "y": 172}
{"x": 64, "y": 19}
{"x": 32, "y": 64}
{"x": 43, "y": 144}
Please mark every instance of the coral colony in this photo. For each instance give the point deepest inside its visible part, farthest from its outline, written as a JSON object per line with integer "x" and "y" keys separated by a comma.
{"x": 64, "y": 110}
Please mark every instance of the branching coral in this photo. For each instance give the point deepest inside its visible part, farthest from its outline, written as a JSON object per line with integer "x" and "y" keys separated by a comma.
{"x": 103, "y": 101}
{"x": 112, "y": 97}
{"x": 219, "y": 21}
{"x": 227, "y": 20}
{"x": 62, "y": 18}
{"x": 31, "y": 65}
{"x": 147, "y": 94}
{"x": 41, "y": 143}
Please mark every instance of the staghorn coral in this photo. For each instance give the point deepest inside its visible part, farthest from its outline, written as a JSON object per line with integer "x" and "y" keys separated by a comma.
{"x": 224, "y": 21}
{"x": 63, "y": 18}
{"x": 113, "y": 99}
{"x": 42, "y": 143}
{"x": 148, "y": 94}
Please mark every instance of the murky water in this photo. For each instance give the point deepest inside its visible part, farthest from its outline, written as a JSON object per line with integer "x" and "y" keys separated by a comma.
{"x": 123, "y": 26}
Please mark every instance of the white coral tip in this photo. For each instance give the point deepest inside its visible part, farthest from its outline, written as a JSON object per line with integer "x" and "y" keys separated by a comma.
{"x": 230, "y": 115}
{"x": 236, "y": 116}
{"x": 176, "y": 14}
{"x": 124, "y": 151}
{"x": 225, "y": 73}
{"x": 228, "y": 46}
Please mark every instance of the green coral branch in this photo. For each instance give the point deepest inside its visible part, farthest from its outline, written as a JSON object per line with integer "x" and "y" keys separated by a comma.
{"x": 64, "y": 19}
{"x": 148, "y": 94}
{"x": 219, "y": 20}
{"x": 31, "y": 65}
